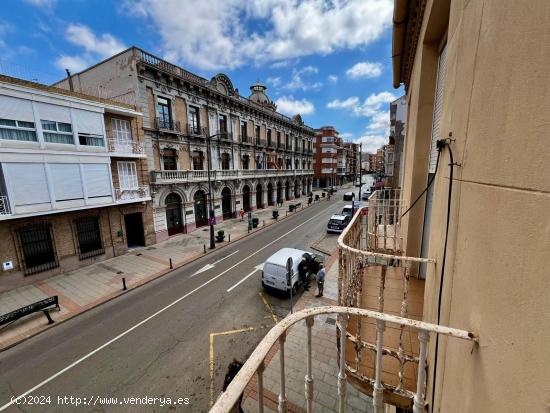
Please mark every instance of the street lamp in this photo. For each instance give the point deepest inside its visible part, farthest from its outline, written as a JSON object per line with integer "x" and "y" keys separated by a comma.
{"x": 211, "y": 212}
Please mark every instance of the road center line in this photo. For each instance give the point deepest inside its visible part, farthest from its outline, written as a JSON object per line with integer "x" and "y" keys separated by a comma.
{"x": 243, "y": 280}
{"x": 129, "y": 330}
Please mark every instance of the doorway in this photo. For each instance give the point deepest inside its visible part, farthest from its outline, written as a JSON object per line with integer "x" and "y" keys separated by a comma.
{"x": 174, "y": 221}
{"x": 246, "y": 198}
{"x": 259, "y": 197}
{"x": 201, "y": 216}
{"x": 226, "y": 203}
{"x": 134, "y": 230}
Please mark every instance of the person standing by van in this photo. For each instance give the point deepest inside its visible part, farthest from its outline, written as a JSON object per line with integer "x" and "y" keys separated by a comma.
{"x": 320, "y": 280}
{"x": 302, "y": 272}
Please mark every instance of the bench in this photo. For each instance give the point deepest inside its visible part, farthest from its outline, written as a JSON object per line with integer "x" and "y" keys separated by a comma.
{"x": 44, "y": 305}
{"x": 294, "y": 207}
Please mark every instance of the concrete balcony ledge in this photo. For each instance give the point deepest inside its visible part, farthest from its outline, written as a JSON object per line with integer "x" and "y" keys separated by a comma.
{"x": 126, "y": 148}
{"x": 138, "y": 194}
{"x": 168, "y": 177}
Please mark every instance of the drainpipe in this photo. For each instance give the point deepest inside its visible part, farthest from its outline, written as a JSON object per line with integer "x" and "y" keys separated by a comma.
{"x": 71, "y": 86}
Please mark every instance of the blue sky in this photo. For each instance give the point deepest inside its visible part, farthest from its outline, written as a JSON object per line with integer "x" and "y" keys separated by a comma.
{"x": 329, "y": 60}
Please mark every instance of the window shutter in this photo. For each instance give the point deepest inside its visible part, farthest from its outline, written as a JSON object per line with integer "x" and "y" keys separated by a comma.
{"x": 56, "y": 113}
{"x": 97, "y": 179}
{"x": 438, "y": 108}
{"x": 88, "y": 122}
{"x": 66, "y": 181}
{"x": 28, "y": 183}
{"x": 16, "y": 109}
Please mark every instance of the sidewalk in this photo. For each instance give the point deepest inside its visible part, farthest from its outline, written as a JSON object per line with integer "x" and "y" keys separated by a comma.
{"x": 87, "y": 287}
{"x": 324, "y": 355}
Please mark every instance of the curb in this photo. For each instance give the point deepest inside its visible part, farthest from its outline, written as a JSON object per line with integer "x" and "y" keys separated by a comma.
{"x": 148, "y": 280}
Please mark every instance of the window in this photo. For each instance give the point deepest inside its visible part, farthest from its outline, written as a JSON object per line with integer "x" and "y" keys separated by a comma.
{"x": 222, "y": 123}
{"x": 194, "y": 120}
{"x": 257, "y": 135}
{"x": 225, "y": 161}
{"x": 278, "y": 139}
{"x": 17, "y": 130}
{"x": 57, "y": 132}
{"x": 127, "y": 175}
{"x": 287, "y": 141}
{"x": 269, "y": 137}
{"x": 170, "y": 160}
{"x": 246, "y": 161}
{"x": 37, "y": 249}
{"x": 88, "y": 235}
{"x": 327, "y": 139}
{"x": 90, "y": 140}
{"x": 121, "y": 130}
{"x": 198, "y": 161}
{"x": 163, "y": 112}
{"x": 244, "y": 132}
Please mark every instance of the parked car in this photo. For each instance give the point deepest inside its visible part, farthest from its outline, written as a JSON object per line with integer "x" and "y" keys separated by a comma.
{"x": 349, "y": 196}
{"x": 338, "y": 222}
{"x": 366, "y": 194}
{"x": 348, "y": 208}
{"x": 274, "y": 273}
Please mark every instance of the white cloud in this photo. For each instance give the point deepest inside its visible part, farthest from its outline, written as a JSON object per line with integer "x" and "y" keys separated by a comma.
{"x": 298, "y": 83}
{"x": 73, "y": 63}
{"x": 376, "y": 108}
{"x": 291, "y": 106}
{"x": 333, "y": 78}
{"x": 215, "y": 34}
{"x": 343, "y": 104}
{"x": 104, "y": 45}
{"x": 95, "y": 47}
{"x": 275, "y": 81}
{"x": 364, "y": 70}
{"x": 42, "y": 3}
{"x": 372, "y": 142}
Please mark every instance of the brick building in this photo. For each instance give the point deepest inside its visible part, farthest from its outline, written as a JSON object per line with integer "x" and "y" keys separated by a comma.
{"x": 74, "y": 186}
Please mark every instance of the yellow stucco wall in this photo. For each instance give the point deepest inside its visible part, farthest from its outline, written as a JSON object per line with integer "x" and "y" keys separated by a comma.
{"x": 497, "y": 282}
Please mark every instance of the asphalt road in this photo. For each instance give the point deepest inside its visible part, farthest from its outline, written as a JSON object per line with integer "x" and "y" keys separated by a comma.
{"x": 157, "y": 340}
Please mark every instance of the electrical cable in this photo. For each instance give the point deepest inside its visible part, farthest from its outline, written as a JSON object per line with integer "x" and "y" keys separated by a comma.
{"x": 430, "y": 181}
{"x": 441, "y": 277}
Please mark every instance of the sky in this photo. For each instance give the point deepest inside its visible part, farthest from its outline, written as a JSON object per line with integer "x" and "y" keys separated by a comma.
{"x": 329, "y": 60}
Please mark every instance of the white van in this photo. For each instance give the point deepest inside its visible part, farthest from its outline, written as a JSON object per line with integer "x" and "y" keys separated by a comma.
{"x": 274, "y": 273}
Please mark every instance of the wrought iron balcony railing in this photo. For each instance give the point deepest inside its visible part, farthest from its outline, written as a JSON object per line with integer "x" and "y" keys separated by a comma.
{"x": 168, "y": 125}
{"x": 375, "y": 275}
{"x": 194, "y": 130}
{"x": 4, "y": 205}
{"x": 126, "y": 147}
{"x": 255, "y": 364}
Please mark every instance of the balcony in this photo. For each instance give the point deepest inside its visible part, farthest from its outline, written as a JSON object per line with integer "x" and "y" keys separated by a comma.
{"x": 225, "y": 136}
{"x": 194, "y": 130}
{"x": 170, "y": 177}
{"x": 381, "y": 339}
{"x": 244, "y": 139}
{"x": 140, "y": 193}
{"x": 4, "y": 206}
{"x": 168, "y": 125}
{"x": 126, "y": 147}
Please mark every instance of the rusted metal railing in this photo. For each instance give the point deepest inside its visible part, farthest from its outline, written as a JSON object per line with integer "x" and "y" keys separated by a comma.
{"x": 256, "y": 362}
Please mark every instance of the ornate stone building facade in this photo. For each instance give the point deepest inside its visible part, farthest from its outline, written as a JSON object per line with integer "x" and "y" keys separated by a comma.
{"x": 192, "y": 125}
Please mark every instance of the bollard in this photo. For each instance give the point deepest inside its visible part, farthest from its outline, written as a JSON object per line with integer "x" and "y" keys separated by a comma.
{"x": 204, "y": 246}
{"x": 229, "y": 235}
{"x": 124, "y": 284}
{"x": 171, "y": 266}
{"x": 264, "y": 222}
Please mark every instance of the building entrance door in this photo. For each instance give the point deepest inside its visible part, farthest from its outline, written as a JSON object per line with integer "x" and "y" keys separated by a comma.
{"x": 134, "y": 230}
